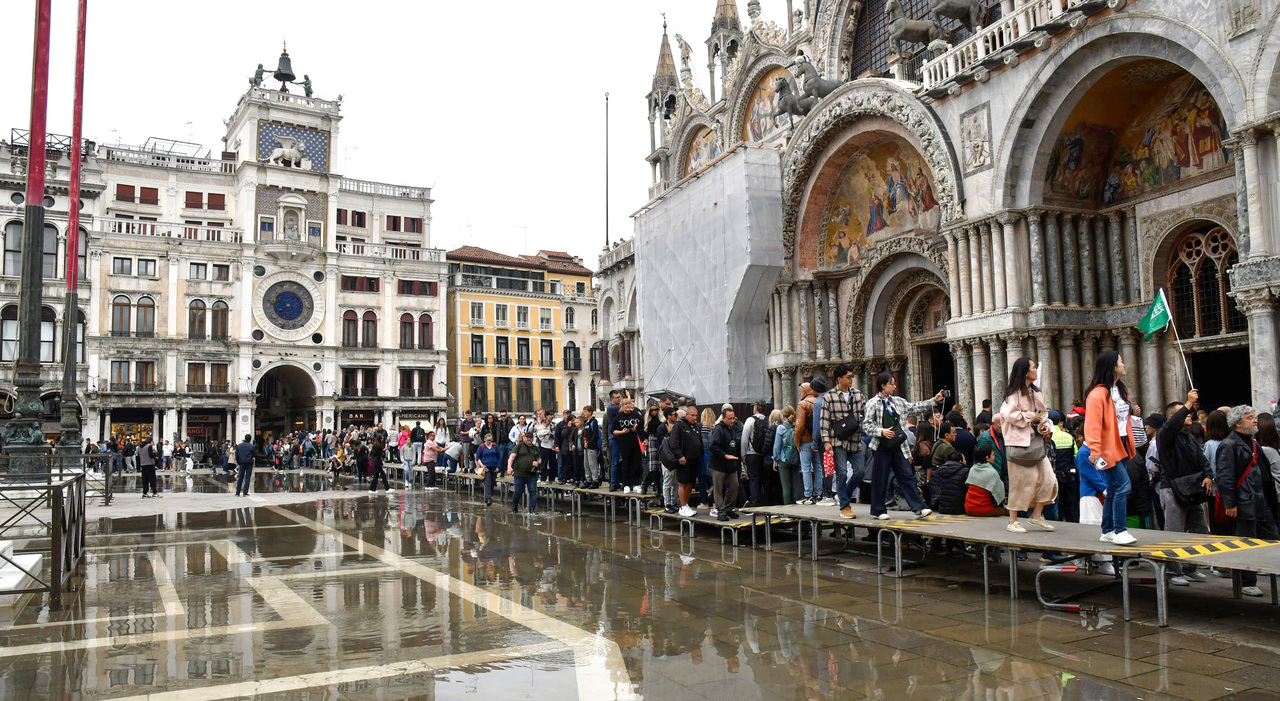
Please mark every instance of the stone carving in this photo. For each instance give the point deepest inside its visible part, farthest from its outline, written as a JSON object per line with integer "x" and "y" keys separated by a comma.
{"x": 877, "y": 260}
{"x": 789, "y": 103}
{"x": 834, "y": 36}
{"x": 843, "y": 107}
{"x": 735, "y": 67}
{"x": 1254, "y": 274}
{"x": 290, "y": 150}
{"x": 685, "y": 50}
{"x": 1155, "y": 228}
{"x": 975, "y": 134}
{"x": 769, "y": 33}
{"x": 896, "y": 322}
{"x": 814, "y": 84}
{"x": 904, "y": 30}
{"x": 969, "y": 12}
{"x": 1242, "y": 16}
{"x": 693, "y": 96}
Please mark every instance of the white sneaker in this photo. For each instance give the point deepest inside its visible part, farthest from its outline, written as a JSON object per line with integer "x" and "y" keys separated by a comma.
{"x": 714, "y": 513}
{"x": 829, "y": 501}
{"x": 1123, "y": 538}
{"x": 1015, "y": 527}
{"x": 1179, "y": 581}
{"x": 1251, "y": 591}
{"x": 1107, "y": 568}
{"x": 1225, "y": 574}
{"x": 925, "y": 513}
{"x": 802, "y": 502}
{"x": 1106, "y": 538}
{"x": 686, "y": 512}
{"x": 882, "y": 517}
{"x": 626, "y": 490}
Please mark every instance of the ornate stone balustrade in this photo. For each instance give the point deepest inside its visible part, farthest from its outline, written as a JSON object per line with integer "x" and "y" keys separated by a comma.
{"x": 390, "y": 252}
{"x": 169, "y": 230}
{"x": 366, "y": 187}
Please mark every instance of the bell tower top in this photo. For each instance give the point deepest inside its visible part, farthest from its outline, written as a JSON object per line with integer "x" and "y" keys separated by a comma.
{"x": 267, "y": 120}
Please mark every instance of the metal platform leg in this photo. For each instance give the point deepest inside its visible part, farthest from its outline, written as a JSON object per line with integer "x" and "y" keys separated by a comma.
{"x": 655, "y": 517}
{"x": 813, "y": 537}
{"x": 1013, "y": 573}
{"x": 1066, "y": 569}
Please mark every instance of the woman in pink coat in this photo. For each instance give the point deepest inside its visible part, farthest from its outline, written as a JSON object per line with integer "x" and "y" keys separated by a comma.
{"x": 1031, "y": 487}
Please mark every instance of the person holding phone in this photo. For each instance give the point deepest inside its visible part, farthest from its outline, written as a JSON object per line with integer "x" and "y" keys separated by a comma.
{"x": 890, "y": 457}
{"x": 1107, "y": 433}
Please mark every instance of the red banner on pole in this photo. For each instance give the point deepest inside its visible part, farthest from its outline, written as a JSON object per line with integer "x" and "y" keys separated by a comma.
{"x": 39, "y": 104}
{"x": 73, "y": 231}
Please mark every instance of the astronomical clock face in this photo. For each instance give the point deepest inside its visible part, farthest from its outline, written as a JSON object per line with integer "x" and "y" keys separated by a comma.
{"x": 288, "y": 305}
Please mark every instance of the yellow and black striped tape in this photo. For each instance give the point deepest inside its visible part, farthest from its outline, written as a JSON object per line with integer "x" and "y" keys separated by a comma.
{"x": 1216, "y": 547}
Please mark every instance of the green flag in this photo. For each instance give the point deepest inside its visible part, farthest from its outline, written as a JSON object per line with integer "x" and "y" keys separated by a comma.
{"x": 1157, "y": 317}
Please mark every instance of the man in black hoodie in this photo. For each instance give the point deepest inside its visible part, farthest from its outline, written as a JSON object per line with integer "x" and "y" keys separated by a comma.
{"x": 1182, "y": 458}
{"x": 726, "y": 465}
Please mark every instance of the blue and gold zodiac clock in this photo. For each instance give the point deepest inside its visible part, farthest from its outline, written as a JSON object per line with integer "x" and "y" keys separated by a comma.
{"x": 288, "y": 305}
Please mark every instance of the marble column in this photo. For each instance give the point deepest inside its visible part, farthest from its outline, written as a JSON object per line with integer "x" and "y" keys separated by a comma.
{"x": 1039, "y": 296}
{"x": 1151, "y": 384}
{"x": 1260, "y": 308}
{"x": 182, "y": 422}
{"x": 1068, "y": 367}
{"x": 1259, "y": 247}
{"x": 1133, "y": 368}
{"x": 977, "y": 254}
{"x": 981, "y": 374}
{"x": 790, "y": 389}
{"x": 775, "y": 380}
{"x": 155, "y": 427}
{"x": 953, "y": 274}
{"x": 999, "y": 370}
{"x": 1132, "y": 260}
{"x": 1085, "y": 250}
{"x": 1015, "y": 273}
{"x": 106, "y": 424}
{"x": 965, "y": 270}
{"x": 231, "y": 426}
{"x": 1088, "y": 357}
{"x": 788, "y": 316}
{"x": 802, "y": 291}
{"x": 1115, "y": 245}
{"x": 1102, "y": 261}
{"x": 833, "y": 320}
{"x": 964, "y": 376}
{"x": 1070, "y": 262}
{"x": 1053, "y": 258}
{"x": 1046, "y": 366}
{"x": 819, "y": 321}
{"x": 860, "y": 379}
{"x": 999, "y": 268}
{"x": 989, "y": 267}
{"x": 775, "y": 322}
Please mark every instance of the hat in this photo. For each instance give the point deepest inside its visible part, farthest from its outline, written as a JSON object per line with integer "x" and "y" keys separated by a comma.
{"x": 1055, "y": 416}
{"x": 1154, "y": 420}
{"x": 818, "y": 385}
{"x": 1076, "y": 411}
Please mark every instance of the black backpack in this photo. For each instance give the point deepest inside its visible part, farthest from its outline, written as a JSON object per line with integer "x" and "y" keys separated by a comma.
{"x": 758, "y": 430}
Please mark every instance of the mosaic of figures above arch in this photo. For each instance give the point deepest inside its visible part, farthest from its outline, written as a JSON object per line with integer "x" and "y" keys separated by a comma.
{"x": 704, "y": 149}
{"x": 884, "y": 190}
{"x": 760, "y": 125}
{"x": 1141, "y": 128}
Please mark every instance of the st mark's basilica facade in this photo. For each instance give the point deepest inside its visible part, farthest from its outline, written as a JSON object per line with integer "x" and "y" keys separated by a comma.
{"x": 1021, "y": 186}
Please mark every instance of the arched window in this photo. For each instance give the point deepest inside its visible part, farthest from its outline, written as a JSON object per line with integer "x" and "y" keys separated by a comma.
{"x": 570, "y": 317}
{"x": 220, "y": 321}
{"x": 49, "y": 255}
{"x": 595, "y": 319}
{"x": 426, "y": 332}
{"x": 369, "y": 330}
{"x": 406, "y": 331}
{"x": 9, "y": 333}
{"x": 13, "y": 248}
{"x": 572, "y": 356}
{"x": 146, "y": 317}
{"x": 121, "y": 311}
{"x": 350, "y": 329}
{"x": 196, "y": 319}
{"x": 1198, "y": 284}
{"x": 48, "y": 335}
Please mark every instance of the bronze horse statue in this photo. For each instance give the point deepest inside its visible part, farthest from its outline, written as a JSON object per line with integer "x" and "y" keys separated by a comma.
{"x": 814, "y": 84}
{"x": 788, "y": 103}
{"x": 903, "y": 30}
{"x": 969, "y": 12}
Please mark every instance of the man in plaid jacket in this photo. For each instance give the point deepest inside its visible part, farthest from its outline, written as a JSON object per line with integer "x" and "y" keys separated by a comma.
{"x": 842, "y": 401}
{"x": 890, "y": 456}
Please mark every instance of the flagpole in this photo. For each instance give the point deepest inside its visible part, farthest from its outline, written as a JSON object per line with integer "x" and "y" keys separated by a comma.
{"x": 1178, "y": 340}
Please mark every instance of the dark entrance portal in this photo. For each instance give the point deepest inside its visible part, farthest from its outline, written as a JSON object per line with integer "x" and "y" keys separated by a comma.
{"x": 1224, "y": 378}
{"x": 286, "y": 402}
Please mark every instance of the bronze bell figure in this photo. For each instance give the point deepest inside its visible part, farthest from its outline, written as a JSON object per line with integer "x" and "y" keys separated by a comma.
{"x": 284, "y": 70}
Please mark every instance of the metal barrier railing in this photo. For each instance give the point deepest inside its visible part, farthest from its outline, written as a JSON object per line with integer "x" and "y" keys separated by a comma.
{"x": 46, "y": 514}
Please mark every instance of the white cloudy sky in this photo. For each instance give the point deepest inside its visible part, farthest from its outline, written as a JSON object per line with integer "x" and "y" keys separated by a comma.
{"x": 499, "y": 105}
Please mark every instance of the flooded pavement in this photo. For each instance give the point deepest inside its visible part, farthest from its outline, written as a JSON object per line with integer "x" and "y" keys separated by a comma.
{"x": 432, "y": 596}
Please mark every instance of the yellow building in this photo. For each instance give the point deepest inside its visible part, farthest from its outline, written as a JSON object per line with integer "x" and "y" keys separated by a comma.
{"x": 506, "y": 324}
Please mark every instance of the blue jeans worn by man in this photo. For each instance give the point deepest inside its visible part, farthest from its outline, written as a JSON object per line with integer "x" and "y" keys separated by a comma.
{"x": 525, "y": 485}
{"x": 849, "y": 471}
{"x": 1115, "y": 511}
{"x": 504, "y": 452}
{"x": 244, "y": 479}
{"x": 810, "y": 470}
{"x": 887, "y": 465}
{"x": 613, "y": 462}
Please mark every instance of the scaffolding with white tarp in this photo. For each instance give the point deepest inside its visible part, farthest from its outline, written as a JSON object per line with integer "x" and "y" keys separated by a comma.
{"x": 708, "y": 254}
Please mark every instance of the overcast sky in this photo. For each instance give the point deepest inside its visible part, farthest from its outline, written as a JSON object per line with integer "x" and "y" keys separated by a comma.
{"x": 497, "y": 105}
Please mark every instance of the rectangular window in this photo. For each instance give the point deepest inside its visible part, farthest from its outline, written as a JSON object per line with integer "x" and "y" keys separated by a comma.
{"x": 406, "y": 332}
{"x": 524, "y": 395}
{"x": 342, "y": 216}
{"x": 595, "y": 359}
{"x": 357, "y": 219}
{"x": 477, "y": 349}
{"x": 199, "y": 271}
{"x": 13, "y": 248}
{"x": 146, "y": 267}
{"x": 149, "y": 195}
{"x": 217, "y": 202}
{"x": 145, "y": 376}
{"x": 500, "y": 316}
{"x": 121, "y": 266}
{"x": 546, "y": 354}
{"x": 479, "y": 394}
{"x": 195, "y": 377}
{"x": 351, "y": 283}
{"x": 195, "y": 200}
{"x": 548, "y": 396}
{"x": 369, "y": 382}
{"x": 544, "y": 319}
{"x": 218, "y": 377}
{"x": 49, "y": 257}
{"x": 502, "y": 395}
{"x": 417, "y": 288}
{"x": 46, "y": 341}
{"x": 350, "y": 330}
{"x": 393, "y": 223}
{"x": 406, "y": 383}
{"x": 222, "y": 273}
{"x": 522, "y": 353}
{"x": 502, "y": 350}
{"x": 522, "y": 318}
{"x": 119, "y": 374}
{"x": 9, "y": 334}
{"x": 124, "y": 193}
{"x": 477, "y": 314}
{"x": 582, "y": 289}
{"x": 267, "y": 227}
{"x": 426, "y": 383}
{"x": 413, "y": 225}
{"x": 350, "y": 382}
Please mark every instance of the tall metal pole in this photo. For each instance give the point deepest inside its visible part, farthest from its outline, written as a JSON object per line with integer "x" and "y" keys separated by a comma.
{"x": 606, "y": 170}
{"x": 71, "y": 434}
{"x": 23, "y": 437}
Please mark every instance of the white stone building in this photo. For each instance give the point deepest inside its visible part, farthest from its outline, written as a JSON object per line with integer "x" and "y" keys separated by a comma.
{"x": 616, "y": 355}
{"x": 254, "y": 290}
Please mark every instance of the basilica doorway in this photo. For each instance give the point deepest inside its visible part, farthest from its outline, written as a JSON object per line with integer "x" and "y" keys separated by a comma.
{"x": 286, "y": 402}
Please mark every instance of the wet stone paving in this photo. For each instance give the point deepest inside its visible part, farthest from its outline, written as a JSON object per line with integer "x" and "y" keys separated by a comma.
{"x": 303, "y": 592}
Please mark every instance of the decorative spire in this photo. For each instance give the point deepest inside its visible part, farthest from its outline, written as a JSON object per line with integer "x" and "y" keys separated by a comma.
{"x": 726, "y": 16}
{"x": 753, "y": 10}
{"x": 665, "y": 75}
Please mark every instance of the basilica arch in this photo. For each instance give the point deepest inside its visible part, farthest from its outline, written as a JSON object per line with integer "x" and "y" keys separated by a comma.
{"x": 286, "y": 400}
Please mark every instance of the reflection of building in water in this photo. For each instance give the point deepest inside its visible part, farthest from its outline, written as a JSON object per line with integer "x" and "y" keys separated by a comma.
{"x": 255, "y": 289}
{"x": 949, "y": 211}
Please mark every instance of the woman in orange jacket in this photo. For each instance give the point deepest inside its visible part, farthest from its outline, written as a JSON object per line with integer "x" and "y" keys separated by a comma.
{"x": 1106, "y": 432}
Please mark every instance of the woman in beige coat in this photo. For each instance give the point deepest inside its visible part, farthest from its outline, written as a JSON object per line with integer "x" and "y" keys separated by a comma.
{"x": 1031, "y": 487}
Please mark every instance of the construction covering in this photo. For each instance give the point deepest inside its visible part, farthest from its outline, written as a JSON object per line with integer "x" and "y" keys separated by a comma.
{"x": 708, "y": 254}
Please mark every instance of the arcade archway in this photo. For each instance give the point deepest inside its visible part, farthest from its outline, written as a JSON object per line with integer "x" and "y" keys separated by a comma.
{"x": 286, "y": 401}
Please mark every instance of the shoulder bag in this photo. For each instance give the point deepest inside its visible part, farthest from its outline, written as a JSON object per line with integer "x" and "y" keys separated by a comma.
{"x": 1220, "y": 516}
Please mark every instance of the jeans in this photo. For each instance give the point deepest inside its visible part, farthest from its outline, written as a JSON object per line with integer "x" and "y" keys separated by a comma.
{"x": 526, "y": 485}
{"x": 670, "y": 495}
{"x": 504, "y": 452}
{"x": 1116, "y": 510}
{"x": 490, "y": 478}
{"x": 850, "y": 467}
{"x": 792, "y": 487}
{"x": 888, "y": 465}
{"x": 244, "y": 480}
{"x": 613, "y": 462}
{"x": 408, "y": 474}
{"x": 810, "y": 464}
{"x": 415, "y": 453}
